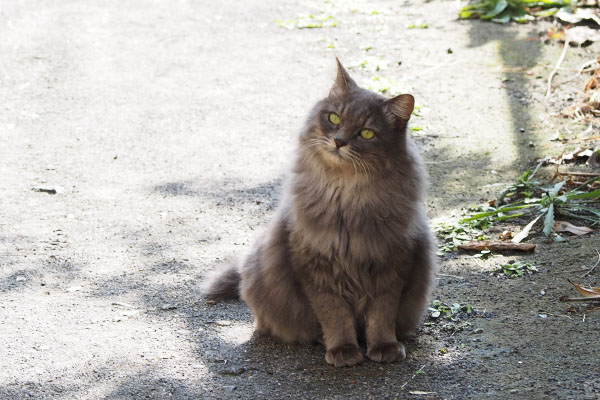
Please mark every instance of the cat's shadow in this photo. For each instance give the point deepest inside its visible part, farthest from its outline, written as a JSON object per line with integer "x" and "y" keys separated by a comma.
{"x": 265, "y": 357}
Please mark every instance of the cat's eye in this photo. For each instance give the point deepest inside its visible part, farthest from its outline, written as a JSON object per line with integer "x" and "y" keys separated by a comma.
{"x": 334, "y": 118}
{"x": 367, "y": 134}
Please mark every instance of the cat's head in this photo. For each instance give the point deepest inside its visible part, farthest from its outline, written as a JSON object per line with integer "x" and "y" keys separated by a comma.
{"x": 355, "y": 129}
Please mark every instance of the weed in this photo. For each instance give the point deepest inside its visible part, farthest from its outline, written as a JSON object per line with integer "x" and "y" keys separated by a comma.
{"x": 524, "y": 187}
{"x": 484, "y": 254}
{"x": 521, "y": 11}
{"x": 449, "y": 317}
{"x": 457, "y": 233}
{"x": 514, "y": 269}
{"x": 549, "y": 202}
{"x": 450, "y": 312}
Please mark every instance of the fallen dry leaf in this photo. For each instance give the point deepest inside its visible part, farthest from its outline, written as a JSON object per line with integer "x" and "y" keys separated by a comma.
{"x": 593, "y": 292}
{"x": 525, "y": 232}
{"x": 580, "y": 34}
{"x": 563, "y": 226}
{"x": 507, "y": 235}
{"x": 578, "y": 15}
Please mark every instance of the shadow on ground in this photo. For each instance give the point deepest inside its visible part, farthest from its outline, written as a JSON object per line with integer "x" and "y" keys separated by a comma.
{"x": 518, "y": 56}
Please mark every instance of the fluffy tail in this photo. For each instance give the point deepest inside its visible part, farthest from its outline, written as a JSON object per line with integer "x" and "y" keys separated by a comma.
{"x": 223, "y": 284}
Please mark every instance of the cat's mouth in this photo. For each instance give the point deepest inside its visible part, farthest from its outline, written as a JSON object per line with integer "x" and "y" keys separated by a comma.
{"x": 337, "y": 152}
{"x": 337, "y": 156}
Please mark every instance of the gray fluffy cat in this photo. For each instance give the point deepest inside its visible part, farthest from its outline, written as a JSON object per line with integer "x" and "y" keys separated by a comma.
{"x": 348, "y": 254}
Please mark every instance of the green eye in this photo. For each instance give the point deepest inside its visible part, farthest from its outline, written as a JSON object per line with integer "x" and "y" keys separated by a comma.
{"x": 367, "y": 134}
{"x": 334, "y": 118}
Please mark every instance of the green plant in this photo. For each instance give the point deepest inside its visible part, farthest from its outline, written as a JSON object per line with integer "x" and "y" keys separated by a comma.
{"x": 518, "y": 268}
{"x": 484, "y": 254}
{"x": 457, "y": 233}
{"x": 575, "y": 203}
{"x": 439, "y": 310}
{"x": 521, "y": 11}
{"x": 525, "y": 186}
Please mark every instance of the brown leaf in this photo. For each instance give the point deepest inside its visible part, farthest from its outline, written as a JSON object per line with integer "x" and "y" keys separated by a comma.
{"x": 563, "y": 226}
{"x": 507, "y": 235}
{"x": 593, "y": 292}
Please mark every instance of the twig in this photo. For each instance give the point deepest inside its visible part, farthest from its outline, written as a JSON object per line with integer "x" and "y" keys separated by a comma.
{"x": 579, "y": 71}
{"x": 583, "y": 139}
{"x": 595, "y": 265}
{"x": 496, "y": 246}
{"x": 579, "y": 299}
{"x": 450, "y": 276}
{"x": 590, "y": 174}
{"x": 126, "y": 305}
{"x": 555, "y": 70}
{"x": 558, "y": 315}
{"x": 412, "y": 377}
{"x": 570, "y": 271}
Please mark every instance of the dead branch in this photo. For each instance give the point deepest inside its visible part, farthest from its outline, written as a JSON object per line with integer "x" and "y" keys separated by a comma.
{"x": 590, "y": 174}
{"x": 583, "y": 139}
{"x": 555, "y": 70}
{"x": 479, "y": 245}
{"x": 578, "y": 299}
{"x": 595, "y": 265}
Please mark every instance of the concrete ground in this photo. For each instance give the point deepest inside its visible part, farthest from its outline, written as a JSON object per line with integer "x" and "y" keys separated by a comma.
{"x": 165, "y": 129}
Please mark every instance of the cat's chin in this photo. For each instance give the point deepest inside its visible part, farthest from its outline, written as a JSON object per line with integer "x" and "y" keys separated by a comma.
{"x": 333, "y": 158}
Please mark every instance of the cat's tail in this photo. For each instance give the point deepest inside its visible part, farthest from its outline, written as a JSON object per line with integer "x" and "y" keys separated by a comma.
{"x": 224, "y": 283}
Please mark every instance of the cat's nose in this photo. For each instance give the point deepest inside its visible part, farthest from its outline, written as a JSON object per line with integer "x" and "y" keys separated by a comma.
{"x": 339, "y": 143}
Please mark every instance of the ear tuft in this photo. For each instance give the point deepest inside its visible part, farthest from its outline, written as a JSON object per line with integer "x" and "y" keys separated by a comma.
{"x": 343, "y": 83}
{"x": 401, "y": 106}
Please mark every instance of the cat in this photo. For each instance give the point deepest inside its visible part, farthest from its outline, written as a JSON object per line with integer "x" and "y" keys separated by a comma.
{"x": 347, "y": 257}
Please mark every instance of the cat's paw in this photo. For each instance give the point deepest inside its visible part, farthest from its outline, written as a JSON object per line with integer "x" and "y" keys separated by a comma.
{"x": 344, "y": 356}
{"x": 387, "y": 352}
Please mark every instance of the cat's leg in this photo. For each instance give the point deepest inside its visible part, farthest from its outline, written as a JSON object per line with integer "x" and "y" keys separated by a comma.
{"x": 338, "y": 325}
{"x": 415, "y": 297}
{"x": 382, "y": 343}
{"x": 335, "y": 316}
{"x": 270, "y": 289}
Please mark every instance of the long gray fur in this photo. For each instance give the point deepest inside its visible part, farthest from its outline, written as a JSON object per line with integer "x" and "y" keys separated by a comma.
{"x": 348, "y": 254}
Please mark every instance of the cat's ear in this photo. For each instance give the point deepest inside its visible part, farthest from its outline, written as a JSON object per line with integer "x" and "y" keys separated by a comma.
{"x": 401, "y": 106}
{"x": 343, "y": 83}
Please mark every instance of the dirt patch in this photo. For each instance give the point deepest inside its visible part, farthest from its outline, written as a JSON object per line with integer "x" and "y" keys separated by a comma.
{"x": 168, "y": 128}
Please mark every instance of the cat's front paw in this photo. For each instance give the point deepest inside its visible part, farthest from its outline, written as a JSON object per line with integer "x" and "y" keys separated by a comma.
{"x": 344, "y": 356}
{"x": 387, "y": 352}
